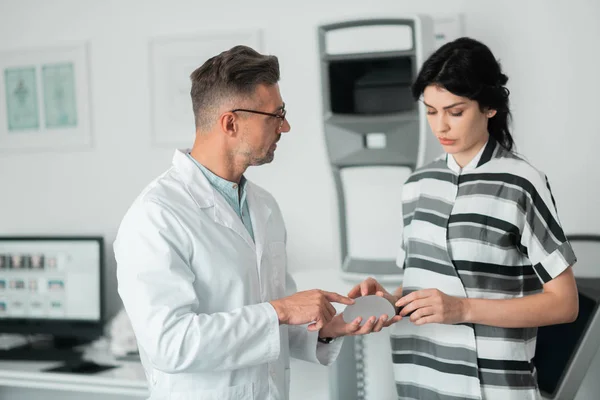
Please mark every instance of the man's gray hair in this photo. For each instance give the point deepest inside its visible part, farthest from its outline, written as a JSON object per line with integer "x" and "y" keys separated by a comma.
{"x": 235, "y": 72}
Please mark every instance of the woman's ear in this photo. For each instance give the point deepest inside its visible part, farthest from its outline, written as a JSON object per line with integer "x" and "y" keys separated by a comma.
{"x": 490, "y": 113}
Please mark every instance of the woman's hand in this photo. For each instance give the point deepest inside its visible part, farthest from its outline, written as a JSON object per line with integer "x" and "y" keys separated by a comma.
{"x": 432, "y": 306}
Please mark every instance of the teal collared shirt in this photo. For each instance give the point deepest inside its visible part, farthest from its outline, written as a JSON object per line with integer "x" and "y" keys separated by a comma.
{"x": 229, "y": 190}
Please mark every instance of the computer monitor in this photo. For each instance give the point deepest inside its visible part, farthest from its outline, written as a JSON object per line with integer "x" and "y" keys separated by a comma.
{"x": 565, "y": 352}
{"x": 53, "y": 286}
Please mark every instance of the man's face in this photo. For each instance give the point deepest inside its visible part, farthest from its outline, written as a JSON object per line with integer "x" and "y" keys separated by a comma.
{"x": 260, "y": 133}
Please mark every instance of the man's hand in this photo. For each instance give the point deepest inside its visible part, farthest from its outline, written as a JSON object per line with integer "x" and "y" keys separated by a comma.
{"x": 337, "y": 327}
{"x": 433, "y": 306}
{"x": 308, "y": 306}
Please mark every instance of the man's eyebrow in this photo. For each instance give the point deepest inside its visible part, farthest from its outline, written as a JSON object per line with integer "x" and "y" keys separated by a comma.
{"x": 280, "y": 108}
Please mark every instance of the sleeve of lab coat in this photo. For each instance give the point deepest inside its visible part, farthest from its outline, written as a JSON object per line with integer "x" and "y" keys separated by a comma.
{"x": 152, "y": 250}
{"x": 304, "y": 344}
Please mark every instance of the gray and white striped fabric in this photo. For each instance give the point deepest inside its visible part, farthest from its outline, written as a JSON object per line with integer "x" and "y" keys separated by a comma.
{"x": 489, "y": 230}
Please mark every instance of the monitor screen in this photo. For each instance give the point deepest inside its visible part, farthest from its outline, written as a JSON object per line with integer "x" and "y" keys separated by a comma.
{"x": 50, "y": 279}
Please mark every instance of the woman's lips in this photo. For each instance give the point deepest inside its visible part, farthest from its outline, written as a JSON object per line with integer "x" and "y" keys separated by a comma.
{"x": 446, "y": 142}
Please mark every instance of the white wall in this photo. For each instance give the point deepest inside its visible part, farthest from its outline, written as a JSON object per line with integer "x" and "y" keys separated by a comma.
{"x": 548, "y": 49}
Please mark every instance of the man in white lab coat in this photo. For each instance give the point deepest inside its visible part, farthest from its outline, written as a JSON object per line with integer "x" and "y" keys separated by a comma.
{"x": 201, "y": 257}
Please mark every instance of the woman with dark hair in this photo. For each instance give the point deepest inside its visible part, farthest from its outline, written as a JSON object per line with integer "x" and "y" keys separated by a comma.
{"x": 485, "y": 259}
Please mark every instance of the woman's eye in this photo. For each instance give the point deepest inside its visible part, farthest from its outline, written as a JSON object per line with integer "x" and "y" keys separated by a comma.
{"x": 456, "y": 114}
{"x": 430, "y": 112}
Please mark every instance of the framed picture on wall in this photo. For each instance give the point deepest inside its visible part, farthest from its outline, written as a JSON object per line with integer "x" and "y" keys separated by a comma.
{"x": 44, "y": 99}
{"x": 172, "y": 60}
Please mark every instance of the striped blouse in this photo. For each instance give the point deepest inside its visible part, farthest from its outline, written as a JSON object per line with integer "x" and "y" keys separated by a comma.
{"x": 488, "y": 230}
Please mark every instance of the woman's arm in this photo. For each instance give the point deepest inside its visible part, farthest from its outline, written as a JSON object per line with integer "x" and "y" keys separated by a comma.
{"x": 557, "y": 304}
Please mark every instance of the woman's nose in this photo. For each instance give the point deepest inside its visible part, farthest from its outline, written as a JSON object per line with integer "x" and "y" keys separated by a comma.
{"x": 441, "y": 124}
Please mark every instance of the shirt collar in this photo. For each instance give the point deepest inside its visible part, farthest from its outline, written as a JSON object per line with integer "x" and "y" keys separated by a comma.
{"x": 224, "y": 186}
{"x": 483, "y": 156}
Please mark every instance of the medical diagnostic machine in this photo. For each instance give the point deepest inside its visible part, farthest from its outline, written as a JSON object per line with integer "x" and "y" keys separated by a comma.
{"x": 376, "y": 135}
{"x": 373, "y": 128}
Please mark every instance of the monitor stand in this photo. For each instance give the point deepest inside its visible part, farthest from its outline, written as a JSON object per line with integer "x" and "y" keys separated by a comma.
{"x": 46, "y": 349}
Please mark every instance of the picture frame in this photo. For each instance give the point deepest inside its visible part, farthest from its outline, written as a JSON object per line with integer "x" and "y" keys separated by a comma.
{"x": 172, "y": 60}
{"x": 45, "y": 98}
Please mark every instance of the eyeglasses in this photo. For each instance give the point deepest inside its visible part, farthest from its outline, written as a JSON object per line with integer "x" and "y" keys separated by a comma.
{"x": 280, "y": 116}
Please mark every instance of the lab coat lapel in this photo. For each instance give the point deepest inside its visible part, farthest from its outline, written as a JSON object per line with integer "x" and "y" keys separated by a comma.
{"x": 226, "y": 216}
{"x": 206, "y": 196}
{"x": 259, "y": 214}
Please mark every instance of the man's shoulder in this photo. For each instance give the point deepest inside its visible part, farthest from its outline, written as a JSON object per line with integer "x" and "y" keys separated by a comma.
{"x": 163, "y": 191}
{"x": 163, "y": 186}
{"x": 157, "y": 206}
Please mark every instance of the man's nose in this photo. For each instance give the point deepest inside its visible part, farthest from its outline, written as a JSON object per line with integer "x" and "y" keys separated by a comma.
{"x": 286, "y": 126}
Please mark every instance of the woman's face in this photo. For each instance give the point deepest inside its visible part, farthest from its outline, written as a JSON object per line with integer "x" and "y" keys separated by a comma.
{"x": 457, "y": 122}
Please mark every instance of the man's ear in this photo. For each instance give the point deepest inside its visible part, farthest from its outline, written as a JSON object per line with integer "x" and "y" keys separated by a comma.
{"x": 229, "y": 123}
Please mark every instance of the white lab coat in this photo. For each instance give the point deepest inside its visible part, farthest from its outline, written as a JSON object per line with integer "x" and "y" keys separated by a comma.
{"x": 196, "y": 288}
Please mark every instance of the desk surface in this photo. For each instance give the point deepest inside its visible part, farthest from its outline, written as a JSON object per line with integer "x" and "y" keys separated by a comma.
{"x": 127, "y": 378}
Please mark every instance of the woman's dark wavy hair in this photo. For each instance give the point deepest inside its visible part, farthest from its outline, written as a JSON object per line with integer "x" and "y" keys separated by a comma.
{"x": 467, "y": 68}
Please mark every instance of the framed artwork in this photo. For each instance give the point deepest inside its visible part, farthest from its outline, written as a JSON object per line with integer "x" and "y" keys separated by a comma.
{"x": 44, "y": 99}
{"x": 172, "y": 61}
